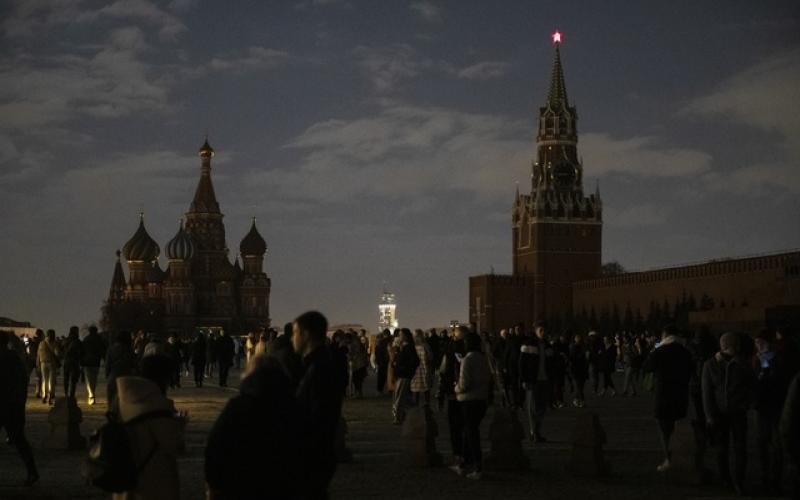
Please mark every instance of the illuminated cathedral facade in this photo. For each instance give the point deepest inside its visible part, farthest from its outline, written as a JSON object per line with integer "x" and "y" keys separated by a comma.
{"x": 200, "y": 287}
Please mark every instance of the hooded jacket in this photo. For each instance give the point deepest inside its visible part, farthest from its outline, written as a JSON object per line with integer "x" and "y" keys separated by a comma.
{"x": 728, "y": 386}
{"x": 162, "y": 436}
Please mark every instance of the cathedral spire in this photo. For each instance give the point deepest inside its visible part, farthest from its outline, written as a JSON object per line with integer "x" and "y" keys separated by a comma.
{"x": 558, "y": 89}
{"x": 117, "y": 291}
{"x": 205, "y": 200}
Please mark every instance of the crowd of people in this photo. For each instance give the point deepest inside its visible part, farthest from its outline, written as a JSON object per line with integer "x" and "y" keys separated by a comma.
{"x": 294, "y": 383}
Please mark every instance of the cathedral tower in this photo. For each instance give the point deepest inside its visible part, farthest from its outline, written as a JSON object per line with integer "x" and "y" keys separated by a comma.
{"x": 556, "y": 230}
{"x": 255, "y": 285}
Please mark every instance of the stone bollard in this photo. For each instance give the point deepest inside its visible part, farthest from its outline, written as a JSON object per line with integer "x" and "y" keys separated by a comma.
{"x": 65, "y": 426}
{"x": 686, "y": 460}
{"x": 505, "y": 437}
{"x": 588, "y": 438}
{"x": 420, "y": 431}
{"x": 343, "y": 453}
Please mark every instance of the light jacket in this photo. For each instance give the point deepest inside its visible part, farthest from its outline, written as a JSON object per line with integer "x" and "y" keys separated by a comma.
{"x": 474, "y": 378}
{"x": 162, "y": 436}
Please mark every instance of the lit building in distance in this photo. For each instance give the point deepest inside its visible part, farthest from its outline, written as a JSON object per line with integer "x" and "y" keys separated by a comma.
{"x": 387, "y": 312}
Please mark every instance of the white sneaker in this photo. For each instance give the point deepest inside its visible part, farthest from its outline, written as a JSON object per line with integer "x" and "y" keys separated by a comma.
{"x": 457, "y": 469}
{"x": 474, "y": 475}
{"x": 663, "y": 467}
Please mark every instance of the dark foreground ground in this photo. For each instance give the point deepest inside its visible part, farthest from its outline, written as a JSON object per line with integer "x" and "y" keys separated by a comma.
{"x": 632, "y": 451}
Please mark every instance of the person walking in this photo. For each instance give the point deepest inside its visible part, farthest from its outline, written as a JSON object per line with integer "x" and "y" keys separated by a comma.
{"x": 728, "y": 392}
{"x": 579, "y": 368}
{"x": 632, "y": 361}
{"x": 263, "y": 429}
{"x": 449, "y": 371}
{"x": 48, "y": 364}
{"x": 359, "y": 360}
{"x": 120, "y": 362}
{"x": 155, "y": 428}
{"x": 319, "y": 395}
{"x": 199, "y": 359}
{"x": 225, "y": 352}
{"x": 671, "y": 365}
{"x": 789, "y": 428}
{"x": 92, "y": 353}
{"x": 211, "y": 353}
{"x": 381, "y": 356}
{"x": 607, "y": 363}
{"x": 175, "y": 353}
{"x": 472, "y": 393}
{"x": 405, "y": 365}
{"x": 511, "y": 376}
{"x": 33, "y": 355}
{"x": 13, "y": 393}
{"x": 536, "y": 362}
{"x": 72, "y": 354}
{"x": 559, "y": 370}
{"x": 421, "y": 381}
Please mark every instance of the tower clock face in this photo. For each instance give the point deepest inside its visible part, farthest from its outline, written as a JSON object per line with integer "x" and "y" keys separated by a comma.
{"x": 564, "y": 175}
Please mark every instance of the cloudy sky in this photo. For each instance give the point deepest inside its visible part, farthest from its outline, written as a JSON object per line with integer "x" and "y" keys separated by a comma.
{"x": 382, "y": 141}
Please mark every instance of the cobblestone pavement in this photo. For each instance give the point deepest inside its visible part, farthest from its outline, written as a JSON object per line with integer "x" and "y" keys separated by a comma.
{"x": 632, "y": 451}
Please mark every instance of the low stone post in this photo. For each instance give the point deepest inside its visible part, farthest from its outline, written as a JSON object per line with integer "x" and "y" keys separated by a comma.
{"x": 65, "y": 426}
{"x": 420, "y": 431}
{"x": 505, "y": 437}
{"x": 588, "y": 438}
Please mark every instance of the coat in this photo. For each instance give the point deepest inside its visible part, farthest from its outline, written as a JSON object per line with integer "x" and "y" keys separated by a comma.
{"x": 578, "y": 362}
{"x": 529, "y": 360}
{"x": 672, "y": 366}
{"x": 225, "y": 350}
{"x": 406, "y": 362}
{"x": 728, "y": 386}
{"x": 120, "y": 360}
{"x": 262, "y": 429}
{"x": 422, "y": 379}
{"x": 13, "y": 391}
{"x": 474, "y": 378}
{"x": 158, "y": 479}
{"x": 790, "y": 421}
{"x": 48, "y": 353}
{"x": 94, "y": 349}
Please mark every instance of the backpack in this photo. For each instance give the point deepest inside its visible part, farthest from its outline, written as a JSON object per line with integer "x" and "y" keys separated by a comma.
{"x": 110, "y": 464}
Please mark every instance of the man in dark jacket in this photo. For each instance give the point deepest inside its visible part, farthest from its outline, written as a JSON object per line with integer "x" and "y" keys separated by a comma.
{"x": 198, "y": 354}
{"x": 319, "y": 395}
{"x": 579, "y": 367}
{"x": 772, "y": 383}
{"x": 511, "y": 363}
{"x": 120, "y": 361}
{"x": 728, "y": 392}
{"x": 405, "y": 365}
{"x": 382, "y": 359}
{"x": 261, "y": 429}
{"x": 72, "y": 355}
{"x": 790, "y": 431}
{"x": 536, "y": 371}
{"x": 94, "y": 350}
{"x": 225, "y": 352}
{"x": 454, "y": 352}
{"x": 13, "y": 393}
{"x": 671, "y": 365}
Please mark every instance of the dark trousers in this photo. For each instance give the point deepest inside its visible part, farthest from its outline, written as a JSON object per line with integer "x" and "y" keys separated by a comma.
{"x": 382, "y": 372}
{"x": 579, "y": 385}
{"x": 608, "y": 380}
{"x": 455, "y": 420}
{"x": 666, "y": 428}
{"x": 473, "y": 411}
{"x": 726, "y": 429}
{"x": 72, "y": 373}
{"x": 358, "y": 380}
{"x": 223, "y": 374}
{"x": 558, "y": 389}
{"x": 769, "y": 448}
{"x": 515, "y": 392}
{"x": 16, "y": 433}
{"x": 199, "y": 371}
{"x": 538, "y": 394}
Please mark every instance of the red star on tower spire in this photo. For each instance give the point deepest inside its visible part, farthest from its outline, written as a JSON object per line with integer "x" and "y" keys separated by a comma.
{"x": 556, "y": 37}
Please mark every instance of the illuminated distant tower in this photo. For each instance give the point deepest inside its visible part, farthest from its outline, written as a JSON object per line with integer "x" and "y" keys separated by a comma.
{"x": 387, "y": 312}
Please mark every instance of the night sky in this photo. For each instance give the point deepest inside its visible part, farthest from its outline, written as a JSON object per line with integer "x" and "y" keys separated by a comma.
{"x": 382, "y": 140}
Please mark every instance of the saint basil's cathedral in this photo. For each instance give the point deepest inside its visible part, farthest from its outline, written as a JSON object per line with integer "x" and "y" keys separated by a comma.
{"x": 200, "y": 288}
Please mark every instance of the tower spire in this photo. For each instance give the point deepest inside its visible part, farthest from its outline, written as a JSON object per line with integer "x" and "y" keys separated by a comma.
{"x": 205, "y": 200}
{"x": 558, "y": 89}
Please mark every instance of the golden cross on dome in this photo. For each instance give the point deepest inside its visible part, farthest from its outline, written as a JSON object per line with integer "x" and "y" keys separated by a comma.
{"x": 556, "y": 37}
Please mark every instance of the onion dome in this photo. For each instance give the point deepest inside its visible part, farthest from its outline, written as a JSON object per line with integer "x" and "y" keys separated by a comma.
{"x": 141, "y": 247}
{"x": 155, "y": 274}
{"x": 206, "y": 151}
{"x": 253, "y": 243}
{"x": 181, "y": 247}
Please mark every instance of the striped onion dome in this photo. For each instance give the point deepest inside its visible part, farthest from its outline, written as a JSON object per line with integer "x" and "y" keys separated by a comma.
{"x": 141, "y": 247}
{"x": 253, "y": 243}
{"x": 181, "y": 247}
